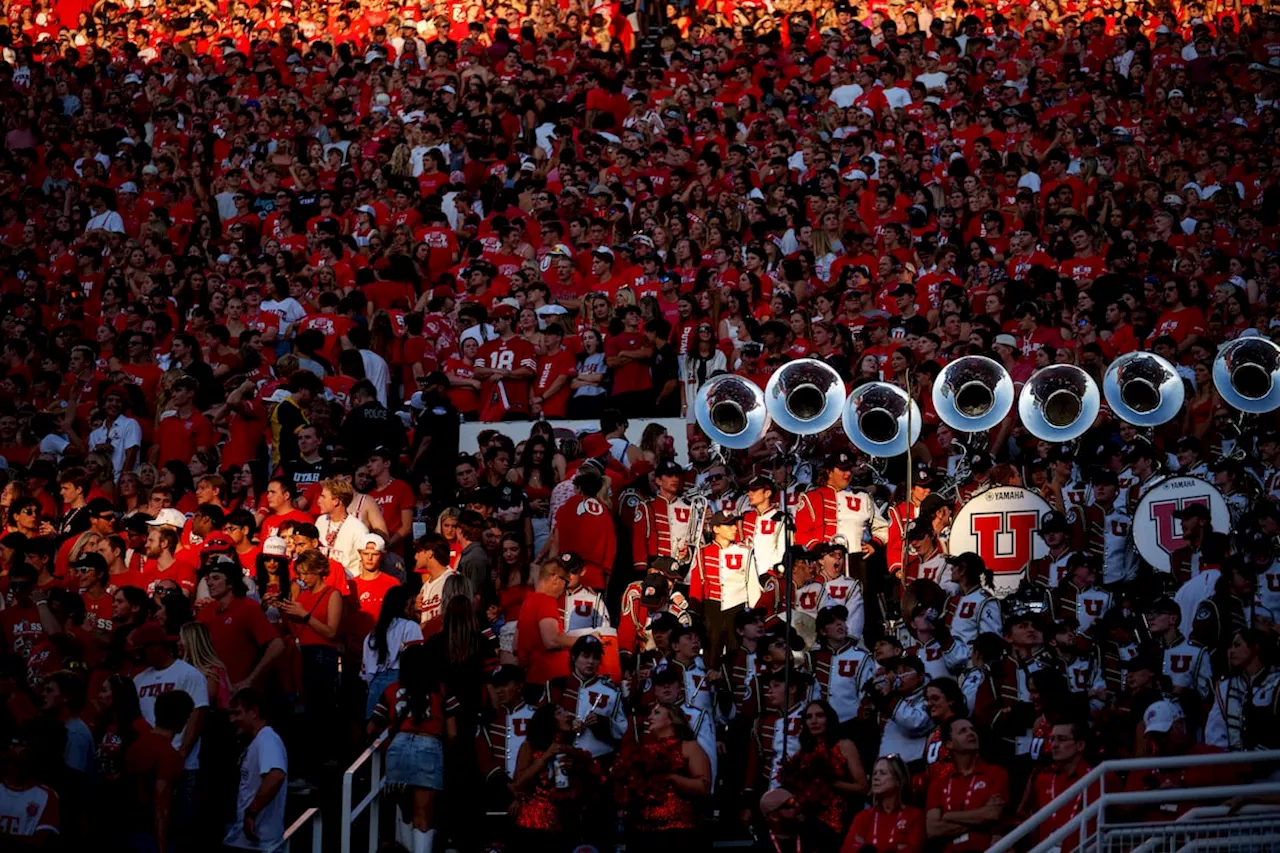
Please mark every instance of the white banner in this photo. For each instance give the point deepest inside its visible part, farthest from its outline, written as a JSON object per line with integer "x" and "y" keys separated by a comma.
{"x": 1157, "y": 533}
{"x": 1000, "y": 526}
{"x": 518, "y": 431}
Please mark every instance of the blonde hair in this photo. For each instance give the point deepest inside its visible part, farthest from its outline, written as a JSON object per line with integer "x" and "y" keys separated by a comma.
{"x": 340, "y": 489}
{"x": 448, "y": 513}
{"x": 197, "y": 649}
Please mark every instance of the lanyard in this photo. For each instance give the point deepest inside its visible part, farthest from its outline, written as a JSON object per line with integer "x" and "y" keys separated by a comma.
{"x": 891, "y": 842}
{"x": 968, "y": 794}
{"x": 778, "y": 847}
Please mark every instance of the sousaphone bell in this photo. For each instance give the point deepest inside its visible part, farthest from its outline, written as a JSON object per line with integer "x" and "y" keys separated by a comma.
{"x": 1247, "y": 374}
{"x": 1059, "y": 403}
{"x": 973, "y": 394}
{"x": 804, "y": 397}
{"x": 878, "y": 417}
{"x": 731, "y": 411}
{"x": 1143, "y": 389}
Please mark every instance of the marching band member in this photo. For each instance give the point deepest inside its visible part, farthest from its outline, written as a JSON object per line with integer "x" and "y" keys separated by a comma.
{"x": 1105, "y": 529}
{"x": 805, "y": 590}
{"x": 1077, "y": 598}
{"x": 841, "y": 667}
{"x": 897, "y": 694}
{"x": 503, "y": 729}
{"x": 643, "y": 599}
{"x": 926, "y": 636}
{"x": 584, "y": 608}
{"x": 1048, "y": 571}
{"x": 973, "y": 610}
{"x": 740, "y": 667}
{"x": 660, "y": 527}
{"x": 1143, "y": 466}
{"x": 925, "y": 559}
{"x": 777, "y": 730}
{"x": 722, "y": 582}
{"x": 1205, "y": 547}
{"x": 840, "y": 589}
{"x": 762, "y": 525}
{"x": 904, "y": 512}
{"x": 835, "y": 510}
{"x": 593, "y": 699}
{"x": 685, "y": 646}
{"x": 980, "y": 479}
{"x": 1079, "y": 664}
{"x": 1187, "y": 665}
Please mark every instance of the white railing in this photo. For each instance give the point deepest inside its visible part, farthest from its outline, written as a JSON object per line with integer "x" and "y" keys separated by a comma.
{"x": 373, "y": 756}
{"x": 310, "y": 816}
{"x": 1088, "y": 822}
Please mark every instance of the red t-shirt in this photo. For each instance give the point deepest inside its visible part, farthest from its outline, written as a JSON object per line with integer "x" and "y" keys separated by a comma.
{"x": 271, "y": 524}
{"x": 953, "y": 792}
{"x": 180, "y": 572}
{"x": 368, "y": 595}
{"x": 240, "y": 634}
{"x": 391, "y": 499}
{"x": 550, "y": 368}
{"x": 540, "y": 664}
{"x": 149, "y": 759}
{"x": 97, "y": 612}
{"x": 633, "y": 376}
{"x": 20, "y": 628}
{"x": 180, "y": 437}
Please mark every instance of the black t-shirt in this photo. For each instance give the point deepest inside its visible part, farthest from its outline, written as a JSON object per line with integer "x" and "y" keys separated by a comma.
{"x": 304, "y": 474}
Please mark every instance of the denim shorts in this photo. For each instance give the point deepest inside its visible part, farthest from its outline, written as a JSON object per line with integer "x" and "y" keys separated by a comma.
{"x": 416, "y": 761}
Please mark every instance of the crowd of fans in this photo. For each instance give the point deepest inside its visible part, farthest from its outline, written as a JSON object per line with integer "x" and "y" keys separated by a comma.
{"x": 260, "y": 263}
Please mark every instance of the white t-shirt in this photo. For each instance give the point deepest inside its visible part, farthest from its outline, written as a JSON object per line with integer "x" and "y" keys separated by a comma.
{"x": 400, "y": 633}
{"x": 345, "y": 548}
{"x": 108, "y": 220}
{"x": 122, "y": 435}
{"x": 265, "y": 754}
{"x": 180, "y": 675}
{"x": 377, "y": 372}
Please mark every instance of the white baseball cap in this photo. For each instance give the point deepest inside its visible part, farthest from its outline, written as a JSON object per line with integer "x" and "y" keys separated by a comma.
{"x": 1161, "y": 715}
{"x": 373, "y": 540}
{"x": 168, "y": 517}
{"x": 1006, "y": 340}
{"x": 275, "y": 546}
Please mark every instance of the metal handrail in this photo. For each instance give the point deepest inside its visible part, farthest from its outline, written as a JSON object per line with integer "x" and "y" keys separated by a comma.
{"x": 317, "y": 832}
{"x": 372, "y": 755}
{"x": 1080, "y": 822}
{"x": 1098, "y": 775}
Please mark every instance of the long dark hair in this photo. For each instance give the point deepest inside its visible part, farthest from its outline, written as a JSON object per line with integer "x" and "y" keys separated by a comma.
{"x": 125, "y": 708}
{"x": 263, "y": 577}
{"x": 461, "y": 631}
{"x": 419, "y": 678}
{"x": 182, "y": 483}
{"x": 393, "y": 606}
{"x": 543, "y": 728}
{"x": 832, "y": 734}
